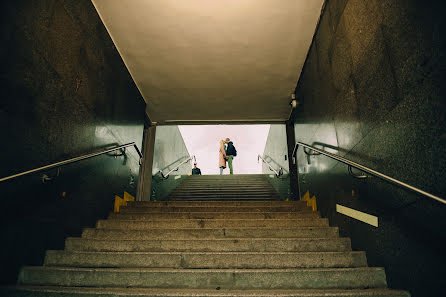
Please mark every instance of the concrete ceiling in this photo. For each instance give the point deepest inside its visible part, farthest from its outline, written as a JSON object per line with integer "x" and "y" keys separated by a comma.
{"x": 213, "y": 60}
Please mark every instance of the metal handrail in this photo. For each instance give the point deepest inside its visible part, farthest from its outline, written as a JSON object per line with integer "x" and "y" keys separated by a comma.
{"x": 77, "y": 159}
{"x": 278, "y": 173}
{"x": 370, "y": 171}
{"x": 176, "y": 167}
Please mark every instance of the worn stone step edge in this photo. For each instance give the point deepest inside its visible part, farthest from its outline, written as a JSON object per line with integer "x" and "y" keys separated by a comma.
{"x": 226, "y": 180}
{"x": 141, "y": 210}
{"x": 55, "y": 291}
{"x": 213, "y": 215}
{"x": 219, "y": 196}
{"x": 250, "y": 195}
{"x": 208, "y": 199}
{"x": 224, "y": 188}
{"x": 213, "y": 203}
{"x": 225, "y": 244}
{"x": 226, "y": 194}
{"x": 219, "y": 185}
{"x": 283, "y": 232}
{"x": 234, "y": 192}
{"x": 316, "y": 278}
{"x": 223, "y": 195}
{"x": 212, "y": 260}
{"x": 219, "y": 204}
{"x": 225, "y": 184}
{"x": 222, "y": 208}
{"x": 207, "y": 223}
{"x": 233, "y": 189}
{"x": 238, "y": 193}
{"x": 210, "y": 183}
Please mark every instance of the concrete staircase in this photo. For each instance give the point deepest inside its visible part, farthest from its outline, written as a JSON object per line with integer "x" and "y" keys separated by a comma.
{"x": 223, "y": 187}
{"x": 207, "y": 248}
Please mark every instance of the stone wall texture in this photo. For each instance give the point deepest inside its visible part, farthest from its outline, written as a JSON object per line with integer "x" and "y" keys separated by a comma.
{"x": 65, "y": 91}
{"x": 372, "y": 90}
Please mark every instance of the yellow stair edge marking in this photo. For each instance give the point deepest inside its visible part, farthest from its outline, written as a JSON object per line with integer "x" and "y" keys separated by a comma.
{"x": 128, "y": 197}
{"x": 122, "y": 201}
{"x": 118, "y": 203}
{"x": 310, "y": 201}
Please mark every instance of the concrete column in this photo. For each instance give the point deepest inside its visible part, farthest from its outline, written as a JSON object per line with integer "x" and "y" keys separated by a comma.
{"x": 294, "y": 177}
{"x": 145, "y": 170}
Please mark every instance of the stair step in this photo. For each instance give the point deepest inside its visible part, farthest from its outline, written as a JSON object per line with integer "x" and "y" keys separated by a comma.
{"x": 235, "y": 196}
{"x": 212, "y": 260}
{"x": 160, "y": 211}
{"x": 282, "y": 232}
{"x": 235, "y": 203}
{"x": 55, "y": 291}
{"x": 207, "y": 223}
{"x": 216, "y": 197}
{"x": 227, "y": 183}
{"x": 213, "y": 215}
{"x": 319, "y": 278}
{"x": 218, "y": 204}
{"x": 233, "y": 188}
{"x": 241, "y": 190}
{"x": 229, "y": 193}
{"x": 224, "y": 185}
{"x": 215, "y": 209}
{"x": 208, "y": 199}
{"x": 217, "y": 245}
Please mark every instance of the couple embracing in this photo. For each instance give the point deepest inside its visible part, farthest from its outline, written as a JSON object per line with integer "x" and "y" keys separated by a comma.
{"x": 227, "y": 153}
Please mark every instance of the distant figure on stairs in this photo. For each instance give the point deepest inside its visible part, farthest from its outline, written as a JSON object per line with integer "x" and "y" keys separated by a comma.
{"x": 231, "y": 152}
{"x": 196, "y": 170}
{"x": 222, "y": 157}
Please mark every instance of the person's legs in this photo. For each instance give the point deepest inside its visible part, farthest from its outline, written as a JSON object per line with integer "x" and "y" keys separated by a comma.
{"x": 230, "y": 164}
{"x": 221, "y": 170}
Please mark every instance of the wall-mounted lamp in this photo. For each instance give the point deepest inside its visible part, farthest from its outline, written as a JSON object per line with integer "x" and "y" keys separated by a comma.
{"x": 293, "y": 102}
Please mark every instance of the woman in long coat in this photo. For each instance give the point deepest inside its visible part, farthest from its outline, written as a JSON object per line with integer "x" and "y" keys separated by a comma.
{"x": 222, "y": 157}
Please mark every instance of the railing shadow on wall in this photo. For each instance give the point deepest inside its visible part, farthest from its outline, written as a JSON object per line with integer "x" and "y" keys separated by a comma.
{"x": 162, "y": 185}
{"x": 281, "y": 178}
{"x": 270, "y": 161}
{"x": 341, "y": 150}
{"x": 175, "y": 165}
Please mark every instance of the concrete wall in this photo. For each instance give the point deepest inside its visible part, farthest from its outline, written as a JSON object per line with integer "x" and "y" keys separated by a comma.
{"x": 170, "y": 151}
{"x": 65, "y": 92}
{"x": 373, "y": 90}
{"x": 275, "y": 151}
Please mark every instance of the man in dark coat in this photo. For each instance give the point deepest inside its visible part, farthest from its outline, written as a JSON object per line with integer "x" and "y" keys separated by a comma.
{"x": 231, "y": 152}
{"x": 196, "y": 170}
